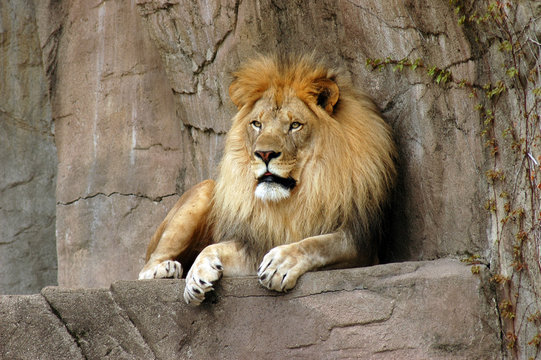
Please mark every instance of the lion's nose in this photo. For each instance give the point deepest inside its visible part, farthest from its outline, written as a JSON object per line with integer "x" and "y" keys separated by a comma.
{"x": 267, "y": 156}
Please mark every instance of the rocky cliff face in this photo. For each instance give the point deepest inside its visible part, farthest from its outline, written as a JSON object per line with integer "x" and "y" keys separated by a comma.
{"x": 27, "y": 156}
{"x": 117, "y": 136}
{"x": 151, "y": 117}
{"x": 140, "y": 108}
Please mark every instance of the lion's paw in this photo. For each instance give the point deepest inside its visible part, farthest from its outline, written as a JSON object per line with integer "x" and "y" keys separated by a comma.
{"x": 280, "y": 268}
{"x": 166, "y": 269}
{"x": 204, "y": 272}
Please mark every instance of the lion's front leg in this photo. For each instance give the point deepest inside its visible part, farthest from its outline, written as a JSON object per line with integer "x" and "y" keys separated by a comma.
{"x": 216, "y": 260}
{"x": 283, "y": 265}
{"x": 179, "y": 234}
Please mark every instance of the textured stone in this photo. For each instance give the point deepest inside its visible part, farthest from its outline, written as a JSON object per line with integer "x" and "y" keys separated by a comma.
{"x": 29, "y": 330}
{"x": 118, "y": 138}
{"x": 139, "y": 109}
{"x": 120, "y": 125}
{"x": 416, "y": 310}
{"x": 426, "y": 310}
{"x": 27, "y": 157}
{"x": 100, "y": 327}
{"x": 106, "y": 236}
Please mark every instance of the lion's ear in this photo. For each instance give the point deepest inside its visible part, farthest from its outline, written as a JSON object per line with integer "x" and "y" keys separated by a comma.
{"x": 327, "y": 94}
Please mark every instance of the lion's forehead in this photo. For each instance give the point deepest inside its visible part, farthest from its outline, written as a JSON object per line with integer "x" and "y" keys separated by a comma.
{"x": 290, "y": 110}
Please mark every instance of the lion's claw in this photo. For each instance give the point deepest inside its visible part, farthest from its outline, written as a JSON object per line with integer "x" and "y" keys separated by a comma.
{"x": 280, "y": 269}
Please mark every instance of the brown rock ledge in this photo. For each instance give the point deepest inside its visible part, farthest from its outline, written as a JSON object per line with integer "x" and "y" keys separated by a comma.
{"x": 415, "y": 310}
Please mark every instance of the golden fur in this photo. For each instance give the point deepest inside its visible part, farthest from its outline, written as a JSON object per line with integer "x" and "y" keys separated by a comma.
{"x": 328, "y": 139}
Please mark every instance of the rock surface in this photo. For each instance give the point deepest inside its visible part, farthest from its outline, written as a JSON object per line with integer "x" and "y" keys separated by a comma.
{"x": 27, "y": 157}
{"x": 31, "y": 330}
{"x": 139, "y": 98}
{"x": 416, "y": 310}
{"x": 119, "y": 141}
{"x": 439, "y": 206}
{"x": 133, "y": 98}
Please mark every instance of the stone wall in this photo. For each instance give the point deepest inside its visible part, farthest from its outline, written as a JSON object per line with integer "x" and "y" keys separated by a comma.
{"x": 150, "y": 120}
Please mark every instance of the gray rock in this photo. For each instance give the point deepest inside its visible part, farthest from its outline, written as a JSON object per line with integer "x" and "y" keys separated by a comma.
{"x": 427, "y": 310}
{"x": 106, "y": 236}
{"x": 120, "y": 144}
{"x": 30, "y": 330}
{"x": 417, "y": 310}
{"x": 27, "y": 157}
{"x": 100, "y": 327}
{"x": 141, "y": 109}
{"x": 135, "y": 98}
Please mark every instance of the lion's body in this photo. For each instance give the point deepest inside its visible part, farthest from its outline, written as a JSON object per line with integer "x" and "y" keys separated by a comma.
{"x": 307, "y": 169}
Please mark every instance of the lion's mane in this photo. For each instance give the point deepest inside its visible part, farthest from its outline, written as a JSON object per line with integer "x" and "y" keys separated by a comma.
{"x": 346, "y": 178}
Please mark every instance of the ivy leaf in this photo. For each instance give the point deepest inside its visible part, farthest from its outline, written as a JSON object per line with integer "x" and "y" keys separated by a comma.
{"x": 416, "y": 64}
{"x": 512, "y": 72}
{"x": 505, "y": 46}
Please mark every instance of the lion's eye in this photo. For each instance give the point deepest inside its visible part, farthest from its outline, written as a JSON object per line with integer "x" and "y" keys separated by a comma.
{"x": 295, "y": 125}
{"x": 256, "y": 124}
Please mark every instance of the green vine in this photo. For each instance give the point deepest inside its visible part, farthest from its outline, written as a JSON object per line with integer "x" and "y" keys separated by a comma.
{"x": 514, "y": 146}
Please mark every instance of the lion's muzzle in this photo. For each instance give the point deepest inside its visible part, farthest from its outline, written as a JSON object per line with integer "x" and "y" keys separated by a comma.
{"x": 267, "y": 156}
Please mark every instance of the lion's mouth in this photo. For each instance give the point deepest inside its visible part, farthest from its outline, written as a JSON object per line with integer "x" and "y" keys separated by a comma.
{"x": 268, "y": 177}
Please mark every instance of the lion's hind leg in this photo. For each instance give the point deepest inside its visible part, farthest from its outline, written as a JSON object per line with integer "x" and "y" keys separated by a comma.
{"x": 182, "y": 234}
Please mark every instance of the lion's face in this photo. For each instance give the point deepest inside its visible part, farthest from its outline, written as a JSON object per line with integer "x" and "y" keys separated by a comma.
{"x": 306, "y": 155}
{"x": 278, "y": 139}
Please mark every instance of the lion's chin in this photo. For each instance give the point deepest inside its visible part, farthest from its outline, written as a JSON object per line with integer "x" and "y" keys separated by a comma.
{"x": 271, "y": 187}
{"x": 270, "y": 191}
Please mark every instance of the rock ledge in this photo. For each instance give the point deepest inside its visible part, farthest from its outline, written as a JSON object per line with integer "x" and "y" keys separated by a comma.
{"x": 415, "y": 310}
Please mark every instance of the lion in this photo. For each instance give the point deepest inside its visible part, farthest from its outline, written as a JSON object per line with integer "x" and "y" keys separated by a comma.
{"x": 307, "y": 169}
